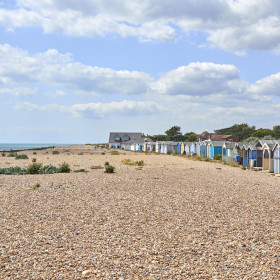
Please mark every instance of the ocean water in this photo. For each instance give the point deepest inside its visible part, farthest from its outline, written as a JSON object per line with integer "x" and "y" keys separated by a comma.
{"x": 25, "y": 146}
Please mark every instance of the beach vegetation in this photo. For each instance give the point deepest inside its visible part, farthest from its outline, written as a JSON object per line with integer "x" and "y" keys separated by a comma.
{"x": 64, "y": 168}
{"x": 36, "y": 186}
{"x": 140, "y": 163}
{"x": 109, "y": 169}
{"x": 55, "y": 152}
{"x": 12, "y": 154}
{"x": 103, "y": 153}
{"x": 115, "y": 153}
{"x": 34, "y": 160}
{"x": 217, "y": 157}
{"x": 13, "y": 171}
{"x": 80, "y": 154}
{"x": 80, "y": 170}
{"x": 34, "y": 153}
{"x": 49, "y": 169}
{"x": 23, "y": 156}
{"x": 3, "y": 154}
{"x": 34, "y": 168}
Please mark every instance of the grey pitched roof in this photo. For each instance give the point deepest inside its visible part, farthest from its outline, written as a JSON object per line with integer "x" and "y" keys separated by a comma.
{"x": 134, "y": 137}
{"x": 229, "y": 145}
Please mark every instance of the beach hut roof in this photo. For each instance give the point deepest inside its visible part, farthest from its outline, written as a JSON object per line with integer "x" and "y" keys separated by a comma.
{"x": 217, "y": 143}
{"x": 229, "y": 145}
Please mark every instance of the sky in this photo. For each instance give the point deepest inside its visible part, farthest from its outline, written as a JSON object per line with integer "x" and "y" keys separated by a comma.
{"x": 72, "y": 71}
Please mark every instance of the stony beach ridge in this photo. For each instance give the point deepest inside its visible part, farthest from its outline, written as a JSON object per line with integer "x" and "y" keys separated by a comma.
{"x": 173, "y": 218}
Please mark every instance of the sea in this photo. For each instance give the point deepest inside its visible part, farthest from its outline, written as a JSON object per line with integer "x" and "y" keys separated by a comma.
{"x": 27, "y": 146}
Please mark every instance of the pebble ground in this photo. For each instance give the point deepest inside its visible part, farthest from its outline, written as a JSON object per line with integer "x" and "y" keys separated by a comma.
{"x": 174, "y": 218}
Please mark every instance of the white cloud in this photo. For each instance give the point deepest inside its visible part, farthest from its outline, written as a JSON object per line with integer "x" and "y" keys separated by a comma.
{"x": 232, "y": 25}
{"x": 59, "y": 70}
{"x": 19, "y": 91}
{"x": 99, "y": 110}
{"x": 200, "y": 79}
{"x": 267, "y": 86}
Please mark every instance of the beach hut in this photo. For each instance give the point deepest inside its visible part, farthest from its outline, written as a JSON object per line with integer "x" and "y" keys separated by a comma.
{"x": 215, "y": 147}
{"x": 197, "y": 148}
{"x": 183, "y": 147}
{"x": 203, "y": 149}
{"x": 193, "y": 148}
{"x": 237, "y": 151}
{"x": 167, "y": 147}
{"x": 244, "y": 154}
{"x": 268, "y": 160}
{"x": 178, "y": 149}
{"x": 228, "y": 155}
{"x": 188, "y": 148}
{"x": 158, "y": 146}
{"x": 259, "y": 151}
{"x": 276, "y": 157}
{"x": 255, "y": 155}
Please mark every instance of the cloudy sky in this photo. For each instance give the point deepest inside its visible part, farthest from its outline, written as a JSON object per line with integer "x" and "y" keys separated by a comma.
{"x": 72, "y": 71}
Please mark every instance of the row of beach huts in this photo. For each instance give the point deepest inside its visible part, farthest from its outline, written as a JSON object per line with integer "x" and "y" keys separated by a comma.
{"x": 262, "y": 154}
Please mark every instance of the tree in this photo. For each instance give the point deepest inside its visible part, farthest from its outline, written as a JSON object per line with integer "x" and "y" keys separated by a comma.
{"x": 276, "y": 131}
{"x": 174, "y": 133}
{"x": 192, "y": 138}
{"x": 261, "y": 132}
{"x": 242, "y": 131}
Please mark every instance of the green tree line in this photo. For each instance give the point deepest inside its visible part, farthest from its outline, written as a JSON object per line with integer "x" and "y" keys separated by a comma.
{"x": 243, "y": 131}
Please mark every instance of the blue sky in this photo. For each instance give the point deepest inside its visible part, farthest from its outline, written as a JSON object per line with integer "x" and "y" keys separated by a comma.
{"x": 71, "y": 71}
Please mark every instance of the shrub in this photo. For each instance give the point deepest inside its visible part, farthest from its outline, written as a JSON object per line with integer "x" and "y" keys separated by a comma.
{"x": 13, "y": 171}
{"x": 80, "y": 170}
{"x": 217, "y": 157}
{"x": 140, "y": 163}
{"x": 23, "y": 156}
{"x": 109, "y": 168}
{"x": 36, "y": 186}
{"x": 169, "y": 152}
{"x": 128, "y": 161}
{"x": 3, "y": 154}
{"x": 34, "y": 153}
{"x": 102, "y": 153}
{"x": 55, "y": 152}
{"x": 243, "y": 167}
{"x": 115, "y": 153}
{"x": 80, "y": 154}
{"x": 64, "y": 168}
{"x": 49, "y": 169}
{"x": 12, "y": 154}
{"x": 34, "y": 160}
{"x": 34, "y": 168}
{"x": 106, "y": 163}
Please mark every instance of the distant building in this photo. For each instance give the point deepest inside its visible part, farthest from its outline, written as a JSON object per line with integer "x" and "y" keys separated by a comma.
{"x": 126, "y": 139}
{"x": 205, "y": 135}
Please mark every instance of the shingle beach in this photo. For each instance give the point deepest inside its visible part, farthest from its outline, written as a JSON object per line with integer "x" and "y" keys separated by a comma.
{"x": 174, "y": 218}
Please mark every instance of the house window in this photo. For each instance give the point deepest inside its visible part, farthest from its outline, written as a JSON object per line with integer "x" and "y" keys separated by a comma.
{"x": 126, "y": 138}
{"x": 117, "y": 138}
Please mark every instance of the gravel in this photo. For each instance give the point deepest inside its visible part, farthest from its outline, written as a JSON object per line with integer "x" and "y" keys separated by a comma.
{"x": 174, "y": 218}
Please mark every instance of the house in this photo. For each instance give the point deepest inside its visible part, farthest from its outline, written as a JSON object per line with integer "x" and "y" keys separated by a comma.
{"x": 205, "y": 135}
{"x": 119, "y": 139}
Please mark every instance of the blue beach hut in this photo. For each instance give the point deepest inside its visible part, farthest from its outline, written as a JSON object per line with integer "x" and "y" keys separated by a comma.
{"x": 216, "y": 147}
{"x": 276, "y": 157}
